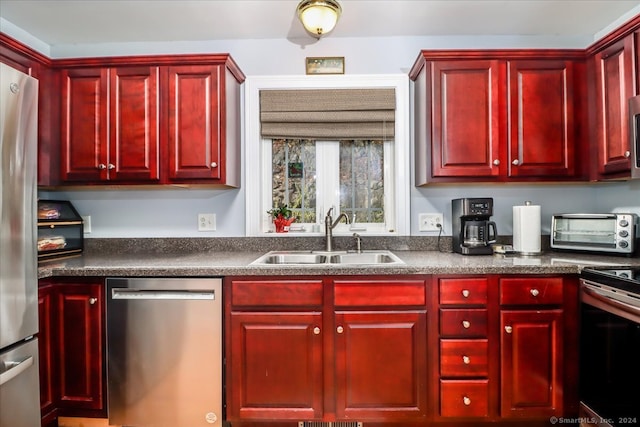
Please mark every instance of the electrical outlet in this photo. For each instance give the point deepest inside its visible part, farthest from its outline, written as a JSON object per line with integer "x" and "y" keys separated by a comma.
{"x": 86, "y": 223}
{"x": 430, "y": 221}
{"x": 207, "y": 222}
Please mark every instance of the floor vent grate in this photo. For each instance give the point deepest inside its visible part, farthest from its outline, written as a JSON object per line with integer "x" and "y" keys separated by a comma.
{"x": 330, "y": 424}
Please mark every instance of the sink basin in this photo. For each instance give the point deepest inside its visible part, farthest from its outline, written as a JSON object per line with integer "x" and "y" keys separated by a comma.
{"x": 327, "y": 258}
{"x": 366, "y": 258}
{"x": 291, "y": 258}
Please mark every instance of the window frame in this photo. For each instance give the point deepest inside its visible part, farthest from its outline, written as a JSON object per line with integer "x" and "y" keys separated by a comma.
{"x": 255, "y": 165}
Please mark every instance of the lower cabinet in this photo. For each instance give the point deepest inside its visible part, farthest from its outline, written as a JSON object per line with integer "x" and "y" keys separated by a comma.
{"x": 325, "y": 349}
{"x": 508, "y": 348}
{"x": 72, "y": 348}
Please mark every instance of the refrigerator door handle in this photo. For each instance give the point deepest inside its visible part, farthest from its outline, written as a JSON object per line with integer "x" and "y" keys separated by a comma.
{"x": 157, "y": 294}
{"x": 13, "y": 369}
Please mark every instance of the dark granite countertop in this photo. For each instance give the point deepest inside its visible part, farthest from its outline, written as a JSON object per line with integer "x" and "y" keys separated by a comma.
{"x": 227, "y": 263}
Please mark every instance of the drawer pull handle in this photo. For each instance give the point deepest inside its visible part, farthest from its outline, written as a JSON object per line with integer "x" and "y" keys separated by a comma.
{"x": 534, "y": 292}
{"x": 466, "y": 400}
{"x": 496, "y": 162}
{"x": 102, "y": 166}
{"x": 466, "y": 360}
{"x": 466, "y": 293}
{"x": 340, "y": 329}
{"x": 316, "y": 331}
{"x": 627, "y": 154}
{"x": 93, "y": 300}
{"x": 508, "y": 329}
{"x": 214, "y": 165}
{"x": 466, "y": 324}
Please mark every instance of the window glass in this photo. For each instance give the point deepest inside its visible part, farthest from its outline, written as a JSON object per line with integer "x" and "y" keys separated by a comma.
{"x": 362, "y": 180}
{"x": 294, "y": 177}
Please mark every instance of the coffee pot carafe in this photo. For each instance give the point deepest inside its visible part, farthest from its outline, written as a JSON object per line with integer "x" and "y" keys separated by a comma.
{"x": 472, "y": 230}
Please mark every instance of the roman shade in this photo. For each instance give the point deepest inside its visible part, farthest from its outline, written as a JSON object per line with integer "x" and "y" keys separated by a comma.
{"x": 328, "y": 113}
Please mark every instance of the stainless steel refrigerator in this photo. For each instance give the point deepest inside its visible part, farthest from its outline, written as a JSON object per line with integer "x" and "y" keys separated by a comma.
{"x": 19, "y": 379}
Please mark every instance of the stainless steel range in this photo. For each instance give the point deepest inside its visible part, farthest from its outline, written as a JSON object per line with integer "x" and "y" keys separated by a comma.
{"x": 610, "y": 346}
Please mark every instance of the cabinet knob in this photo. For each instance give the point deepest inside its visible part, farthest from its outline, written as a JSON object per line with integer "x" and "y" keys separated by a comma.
{"x": 466, "y": 360}
{"x": 627, "y": 154}
{"x": 534, "y": 292}
{"x": 516, "y": 162}
{"x": 102, "y": 166}
{"x": 466, "y": 293}
{"x": 340, "y": 329}
{"x": 316, "y": 331}
{"x": 93, "y": 300}
{"x": 466, "y": 400}
{"x": 496, "y": 162}
{"x": 466, "y": 324}
{"x": 508, "y": 329}
{"x": 214, "y": 165}
{"x": 110, "y": 166}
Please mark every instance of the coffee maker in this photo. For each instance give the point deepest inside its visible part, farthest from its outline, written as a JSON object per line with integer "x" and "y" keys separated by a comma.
{"x": 472, "y": 230}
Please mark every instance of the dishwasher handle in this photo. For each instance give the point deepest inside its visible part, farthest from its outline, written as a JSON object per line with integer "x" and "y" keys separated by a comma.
{"x": 161, "y": 294}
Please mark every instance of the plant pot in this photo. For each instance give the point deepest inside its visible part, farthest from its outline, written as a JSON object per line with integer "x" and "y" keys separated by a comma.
{"x": 282, "y": 224}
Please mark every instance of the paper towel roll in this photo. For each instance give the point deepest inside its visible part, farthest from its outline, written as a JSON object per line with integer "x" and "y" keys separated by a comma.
{"x": 526, "y": 228}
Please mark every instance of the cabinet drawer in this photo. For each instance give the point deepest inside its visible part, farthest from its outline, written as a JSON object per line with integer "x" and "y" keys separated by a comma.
{"x": 533, "y": 290}
{"x": 464, "y": 358}
{"x": 298, "y": 293}
{"x": 463, "y": 323}
{"x": 380, "y": 293}
{"x": 469, "y": 398}
{"x": 471, "y": 290}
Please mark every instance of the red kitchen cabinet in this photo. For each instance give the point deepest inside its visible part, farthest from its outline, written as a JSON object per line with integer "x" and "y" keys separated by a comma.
{"x": 110, "y": 120}
{"x": 380, "y": 363}
{"x": 274, "y": 349}
{"x": 80, "y": 333}
{"x": 541, "y": 118}
{"x": 532, "y": 361}
{"x": 46, "y": 355}
{"x": 203, "y": 123}
{"x": 494, "y": 116}
{"x": 614, "y": 74}
{"x": 309, "y": 349}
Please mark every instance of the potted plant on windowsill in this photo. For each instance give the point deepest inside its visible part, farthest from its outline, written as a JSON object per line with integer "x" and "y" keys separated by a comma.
{"x": 282, "y": 218}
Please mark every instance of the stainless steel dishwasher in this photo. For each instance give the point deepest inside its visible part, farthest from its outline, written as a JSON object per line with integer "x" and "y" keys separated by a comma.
{"x": 164, "y": 352}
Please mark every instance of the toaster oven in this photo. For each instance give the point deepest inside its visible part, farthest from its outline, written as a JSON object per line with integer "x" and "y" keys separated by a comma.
{"x": 610, "y": 233}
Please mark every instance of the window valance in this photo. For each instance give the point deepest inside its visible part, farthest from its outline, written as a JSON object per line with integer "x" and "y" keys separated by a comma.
{"x": 328, "y": 113}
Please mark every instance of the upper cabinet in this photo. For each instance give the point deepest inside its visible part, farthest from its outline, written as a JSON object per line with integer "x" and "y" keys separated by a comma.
{"x": 110, "y": 119}
{"x": 496, "y": 115}
{"x": 614, "y": 63}
{"x": 151, "y": 120}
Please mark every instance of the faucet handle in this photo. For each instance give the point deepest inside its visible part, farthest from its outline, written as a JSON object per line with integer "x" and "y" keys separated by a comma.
{"x": 329, "y": 211}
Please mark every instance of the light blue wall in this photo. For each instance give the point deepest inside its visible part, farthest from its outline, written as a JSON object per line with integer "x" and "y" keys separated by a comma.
{"x": 173, "y": 212}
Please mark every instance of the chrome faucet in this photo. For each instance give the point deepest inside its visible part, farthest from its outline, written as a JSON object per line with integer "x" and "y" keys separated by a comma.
{"x": 329, "y": 225}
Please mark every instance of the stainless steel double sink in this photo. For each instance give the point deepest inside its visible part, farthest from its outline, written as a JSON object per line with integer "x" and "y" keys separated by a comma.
{"x": 331, "y": 258}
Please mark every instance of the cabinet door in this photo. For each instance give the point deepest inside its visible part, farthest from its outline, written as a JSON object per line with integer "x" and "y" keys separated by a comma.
{"x": 466, "y": 106}
{"x": 614, "y": 79}
{"x": 541, "y": 139}
{"x": 80, "y": 337}
{"x": 46, "y": 349}
{"x": 381, "y": 360}
{"x": 532, "y": 363}
{"x": 194, "y": 122}
{"x": 84, "y": 136}
{"x": 135, "y": 115}
{"x": 276, "y": 372}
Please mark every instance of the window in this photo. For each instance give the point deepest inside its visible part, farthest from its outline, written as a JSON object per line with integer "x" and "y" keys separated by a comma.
{"x": 365, "y": 178}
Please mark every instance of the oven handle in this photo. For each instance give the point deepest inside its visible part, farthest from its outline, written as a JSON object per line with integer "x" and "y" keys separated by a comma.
{"x": 608, "y": 303}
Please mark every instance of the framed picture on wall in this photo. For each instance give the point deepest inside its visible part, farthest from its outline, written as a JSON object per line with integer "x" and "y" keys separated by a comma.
{"x": 325, "y": 65}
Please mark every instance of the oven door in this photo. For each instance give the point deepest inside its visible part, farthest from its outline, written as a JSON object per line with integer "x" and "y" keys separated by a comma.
{"x": 609, "y": 355}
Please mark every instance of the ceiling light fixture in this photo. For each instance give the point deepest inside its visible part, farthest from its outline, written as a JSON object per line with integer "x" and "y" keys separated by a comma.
{"x": 319, "y": 16}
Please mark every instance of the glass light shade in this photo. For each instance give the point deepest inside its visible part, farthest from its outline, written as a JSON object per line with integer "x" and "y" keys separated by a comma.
{"x": 318, "y": 16}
